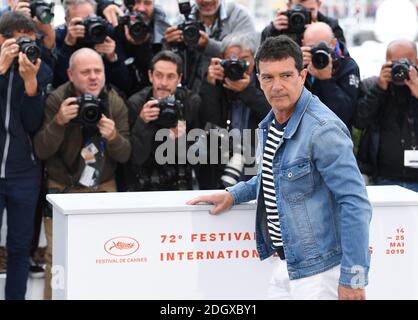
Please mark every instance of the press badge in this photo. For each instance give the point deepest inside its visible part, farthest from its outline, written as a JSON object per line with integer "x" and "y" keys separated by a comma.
{"x": 94, "y": 162}
{"x": 411, "y": 158}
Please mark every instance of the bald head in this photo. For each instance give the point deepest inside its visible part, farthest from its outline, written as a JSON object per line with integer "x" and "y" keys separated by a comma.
{"x": 402, "y": 49}
{"x": 86, "y": 71}
{"x": 81, "y": 54}
{"x": 316, "y": 33}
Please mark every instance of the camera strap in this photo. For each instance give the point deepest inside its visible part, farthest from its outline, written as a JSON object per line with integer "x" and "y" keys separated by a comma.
{"x": 411, "y": 123}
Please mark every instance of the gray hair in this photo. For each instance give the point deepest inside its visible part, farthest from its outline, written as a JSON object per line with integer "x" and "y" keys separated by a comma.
{"x": 246, "y": 41}
{"x": 68, "y": 4}
{"x": 81, "y": 51}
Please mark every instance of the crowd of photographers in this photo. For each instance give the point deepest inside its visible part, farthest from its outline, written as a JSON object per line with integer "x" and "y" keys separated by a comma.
{"x": 95, "y": 104}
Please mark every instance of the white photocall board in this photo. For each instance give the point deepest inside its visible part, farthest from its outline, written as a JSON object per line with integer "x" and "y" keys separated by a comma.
{"x": 151, "y": 245}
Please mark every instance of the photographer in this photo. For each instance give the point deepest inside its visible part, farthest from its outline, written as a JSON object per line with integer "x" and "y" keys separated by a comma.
{"x": 236, "y": 103}
{"x": 84, "y": 29}
{"x": 333, "y": 77}
{"x": 388, "y": 110}
{"x": 42, "y": 14}
{"x": 216, "y": 19}
{"x": 141, "y": 41}
{"x": 82, "y": 139}
{"x": 282, "y": 25}
{"x": 149, "y": 105}
{"x": 23, "y": 81}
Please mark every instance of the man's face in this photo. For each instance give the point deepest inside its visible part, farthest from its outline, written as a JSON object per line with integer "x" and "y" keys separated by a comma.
{"x": 80, "y": 11}
{"x": 164, "y": 79}
{"x": 282, "y": 83}
{"x": 312, "y": 5}
{"x": 238, "y": 53}
{"x": 87, "y": 74}
{"x": 146, "y": 7}
{"x": 208, "y": 7}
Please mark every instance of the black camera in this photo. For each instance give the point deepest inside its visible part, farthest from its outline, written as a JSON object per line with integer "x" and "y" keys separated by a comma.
{"x": 234, "y": 69}
{"x": 321, "y": 55}
{"x": 42, "y": 10}
{"x": 191, "y": 28}
{"x": 400, "y": 70}
{"x": 29, "y": 47}
{"x": 137, "y": 25}
{"x": 90, "y": 111}
{"x": 169, "y": 112}
{"x": 95, "y": 29}
{"x": 298, "y": 18}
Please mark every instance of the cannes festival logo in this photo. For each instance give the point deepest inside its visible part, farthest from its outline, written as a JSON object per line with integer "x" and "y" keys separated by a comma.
{"x": 121, "y": 246}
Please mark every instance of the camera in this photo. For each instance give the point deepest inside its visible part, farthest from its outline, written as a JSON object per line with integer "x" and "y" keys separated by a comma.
{"x": 90, "y": 111}
{"x": 169, "y": 112}
{"x": 95, "y": 29}
{"x": 320, "y": 55}
{"x": 42, "y": 10}
{"x": 137, "y": 26}
{"x": 29, "y": 47}
{"x": 298, "y": 18}
{"x": 400, "y": 70}
{"x": 234, "y": 69}
{"x": 191, "y": 28}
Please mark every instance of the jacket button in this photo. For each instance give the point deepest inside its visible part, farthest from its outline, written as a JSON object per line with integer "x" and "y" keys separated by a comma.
{"x": 290, "y": 175}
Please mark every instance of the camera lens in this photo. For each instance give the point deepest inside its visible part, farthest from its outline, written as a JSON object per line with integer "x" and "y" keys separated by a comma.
{"x": 320, "y": 59}
{"x": 91, "y": 114}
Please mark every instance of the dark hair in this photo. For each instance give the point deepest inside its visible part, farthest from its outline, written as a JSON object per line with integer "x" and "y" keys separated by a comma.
{"x": 279, "y": 48}
{"x": 170, "y": 56}
{"x": 14, "y": 21}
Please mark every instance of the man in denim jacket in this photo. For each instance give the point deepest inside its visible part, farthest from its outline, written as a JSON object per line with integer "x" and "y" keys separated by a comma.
{"x": 320, "y": 197}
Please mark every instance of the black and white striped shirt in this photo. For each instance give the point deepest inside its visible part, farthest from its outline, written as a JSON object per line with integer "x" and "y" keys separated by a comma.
{"x": 274, "y": 137}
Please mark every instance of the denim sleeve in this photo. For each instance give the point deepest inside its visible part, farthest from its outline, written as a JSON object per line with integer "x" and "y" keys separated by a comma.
{"x": 244, "y": 191}
{"x": 332, "y": 152}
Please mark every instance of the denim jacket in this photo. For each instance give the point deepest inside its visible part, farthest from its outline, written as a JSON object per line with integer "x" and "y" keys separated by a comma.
{"x": 322, "y": 200}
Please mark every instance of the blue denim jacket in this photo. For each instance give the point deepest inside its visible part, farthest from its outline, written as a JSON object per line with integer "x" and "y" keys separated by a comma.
{"x": 322, "y": 200}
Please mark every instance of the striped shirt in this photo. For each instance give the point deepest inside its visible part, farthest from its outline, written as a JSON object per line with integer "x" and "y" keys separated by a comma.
{"x": 274, "y": 137}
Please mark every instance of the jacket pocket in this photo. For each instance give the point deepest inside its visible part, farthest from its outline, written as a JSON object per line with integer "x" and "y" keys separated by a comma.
{"x": 296, "y": 180}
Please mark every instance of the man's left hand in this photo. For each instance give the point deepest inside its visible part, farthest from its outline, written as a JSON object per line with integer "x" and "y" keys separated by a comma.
{"x": 107, "y": 48}
{"x": 28, "y": 71}
{"x": 412, "y": 83}
{"x": 107, "y": 128}
{"x": 237, "y": 86}
{"x": 345, "y": 293}
{"x": 321, "y": 74}
{"x": 203, "y": 40}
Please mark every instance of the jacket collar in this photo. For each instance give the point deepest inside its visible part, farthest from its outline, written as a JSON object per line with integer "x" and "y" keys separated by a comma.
{"x": 295, "y": 118}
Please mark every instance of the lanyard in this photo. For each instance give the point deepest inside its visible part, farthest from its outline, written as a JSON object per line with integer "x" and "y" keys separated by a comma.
{"x": 411, "y": 122}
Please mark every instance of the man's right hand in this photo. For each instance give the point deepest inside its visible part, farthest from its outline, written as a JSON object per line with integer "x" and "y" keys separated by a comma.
{"x": 22, "y": 7}
{"x": 215, "y": 71}
{"x": 222, "y": 201}
{"x": 68, "y": 111}
{"x": 281, "y": 21}
{"x": 385, "y": 76}
{"x": 8, "y": 53}
{"x": 75, "y": 31}
{"x": 149, "y": 112}
{"x": 111, "y": 13}
{"x": 172, "y": 34}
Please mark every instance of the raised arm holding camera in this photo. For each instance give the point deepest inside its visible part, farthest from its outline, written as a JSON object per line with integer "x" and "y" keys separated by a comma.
{"x": 232, "y": 99}
{"x": 388, "y": 110}
{"x": 174, "y": 110}
{"x": 83, "y": 28}
{"x": 84, "y": 135}
{"x": 199, "y": 36}
{"x": 293, "y": 21}
{"x": 23, "y": 81}
{"x": 333, "y": 77}
{"x": 42, "y": 13}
